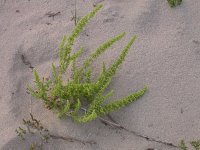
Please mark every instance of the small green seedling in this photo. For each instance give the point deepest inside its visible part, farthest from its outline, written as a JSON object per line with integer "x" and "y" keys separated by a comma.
{"x": 32, "y": 126}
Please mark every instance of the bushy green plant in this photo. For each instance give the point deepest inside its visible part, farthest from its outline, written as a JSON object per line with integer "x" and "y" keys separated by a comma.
{"x": 70, "y": 97}
{"x": 174, "y": 3}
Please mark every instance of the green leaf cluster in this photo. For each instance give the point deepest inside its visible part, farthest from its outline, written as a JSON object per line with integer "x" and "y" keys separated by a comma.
{"x": 195, "y": 145}
{"x": 174, "y": 3}
{"x": 79, "y": 97}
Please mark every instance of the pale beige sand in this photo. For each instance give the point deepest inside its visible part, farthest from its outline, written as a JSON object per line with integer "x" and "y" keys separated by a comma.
{"x": 165, "y": 56}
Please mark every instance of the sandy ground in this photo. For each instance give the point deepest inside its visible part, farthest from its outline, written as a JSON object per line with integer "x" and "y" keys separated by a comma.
{"x": 165, "y": 56}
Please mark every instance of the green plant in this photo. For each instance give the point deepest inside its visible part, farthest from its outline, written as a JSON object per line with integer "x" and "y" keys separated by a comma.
{"x": 194, "y": 144}
{"x": 174, "y": 3}
{"x": 35, "y": 127}
{"x": 182, "y": 145}
{"x": 79, "y": 97}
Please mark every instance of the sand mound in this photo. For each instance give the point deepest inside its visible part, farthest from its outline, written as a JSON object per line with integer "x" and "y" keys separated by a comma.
{"x": 165, "y": 56}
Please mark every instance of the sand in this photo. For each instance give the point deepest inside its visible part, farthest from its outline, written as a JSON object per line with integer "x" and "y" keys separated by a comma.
{"x": 165, "y": 56}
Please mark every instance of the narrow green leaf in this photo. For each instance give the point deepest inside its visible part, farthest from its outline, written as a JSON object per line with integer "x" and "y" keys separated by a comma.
{"x": 122, "y": 102}
{"x": 86, "y": 118}
{"x": 102, "y": 49}
{"x": 64, "y": 110}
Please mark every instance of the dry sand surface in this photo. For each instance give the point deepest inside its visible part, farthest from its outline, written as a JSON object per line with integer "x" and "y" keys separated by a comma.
{"x": 165, "y": 56}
